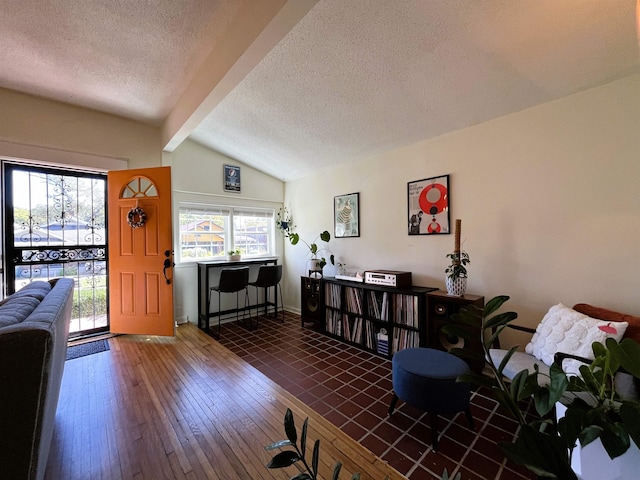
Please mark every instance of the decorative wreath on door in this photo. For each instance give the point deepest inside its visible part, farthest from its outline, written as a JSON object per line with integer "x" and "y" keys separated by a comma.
{"x": 136, "y": 217}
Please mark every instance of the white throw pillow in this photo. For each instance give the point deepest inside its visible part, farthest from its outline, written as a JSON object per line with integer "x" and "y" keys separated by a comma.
{"x": 564, "y": 330}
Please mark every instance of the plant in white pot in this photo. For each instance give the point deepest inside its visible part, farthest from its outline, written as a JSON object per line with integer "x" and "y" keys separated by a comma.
{"x": 234, "y": 255}
{"x": 595, "y": 411}
{"x": 319, "y": 256}
{"x": 602, "y": 420}
{"x": 456, "y": 273}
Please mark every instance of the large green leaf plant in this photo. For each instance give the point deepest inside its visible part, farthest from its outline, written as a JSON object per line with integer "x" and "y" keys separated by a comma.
{"x": 594, "y": 408}
{"x": 315, "y": 251}
{"x": 298, "y": 453}
{"x": 286, "y": 458}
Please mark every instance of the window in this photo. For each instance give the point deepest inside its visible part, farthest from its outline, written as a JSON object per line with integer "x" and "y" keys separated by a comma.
{"x": 209, "y": 231}
{"x": 252, "y": 231}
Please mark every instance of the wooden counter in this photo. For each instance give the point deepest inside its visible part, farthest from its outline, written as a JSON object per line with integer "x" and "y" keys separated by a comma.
{"x": 204, "y": 282}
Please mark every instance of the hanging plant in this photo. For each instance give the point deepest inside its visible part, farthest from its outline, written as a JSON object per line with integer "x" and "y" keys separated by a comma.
{"x": 286, "y": 226}
{"x": 284, "y": 221}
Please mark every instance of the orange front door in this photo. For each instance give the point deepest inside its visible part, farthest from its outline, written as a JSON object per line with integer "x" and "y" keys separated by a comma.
{"x": 140, "y": 251}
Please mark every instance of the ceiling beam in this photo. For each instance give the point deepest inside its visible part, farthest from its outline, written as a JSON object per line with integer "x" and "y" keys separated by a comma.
{"x": 259, "y": 26}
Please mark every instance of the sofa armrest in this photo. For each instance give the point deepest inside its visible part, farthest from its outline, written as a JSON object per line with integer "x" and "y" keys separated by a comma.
{"x": 523, "y": 329}
{"x": 496, "y": 343}
{"x": 560, "y": 357}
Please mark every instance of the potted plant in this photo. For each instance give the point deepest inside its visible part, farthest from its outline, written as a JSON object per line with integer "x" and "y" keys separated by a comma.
{"x": 456, "y": 273}
{"x": 594, "y": 409}
{"x": 599, "y": 421}
{"x": 318, "y": 260}
{"x": 456, "y": 279}
{"x": 234, "y": 255}
{"x": 284, "y": 221}
{"x": 286, "y": 458}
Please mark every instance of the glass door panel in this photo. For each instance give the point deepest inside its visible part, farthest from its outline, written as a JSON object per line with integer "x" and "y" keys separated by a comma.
{"x": 55, "y": 226}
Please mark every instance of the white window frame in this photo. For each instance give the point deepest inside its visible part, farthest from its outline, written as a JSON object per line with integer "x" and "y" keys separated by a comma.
{"x": 229, "y": 229}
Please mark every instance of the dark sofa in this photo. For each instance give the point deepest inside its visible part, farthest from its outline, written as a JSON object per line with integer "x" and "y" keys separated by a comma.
{"x": 34, "y": 328}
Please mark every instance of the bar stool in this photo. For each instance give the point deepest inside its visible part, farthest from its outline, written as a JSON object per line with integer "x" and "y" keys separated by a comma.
{"x": 232, "y": 280}
{"x": 269, "y": 276}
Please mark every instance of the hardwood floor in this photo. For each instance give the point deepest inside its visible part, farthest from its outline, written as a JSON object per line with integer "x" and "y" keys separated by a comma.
{"x": 183, "y": 408}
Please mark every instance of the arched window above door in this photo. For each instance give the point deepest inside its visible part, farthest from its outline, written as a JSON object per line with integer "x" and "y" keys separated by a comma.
{"x": 139, "y": 187}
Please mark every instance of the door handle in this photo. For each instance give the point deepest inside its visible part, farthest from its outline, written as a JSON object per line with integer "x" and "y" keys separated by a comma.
{"x": 167, "y": 264}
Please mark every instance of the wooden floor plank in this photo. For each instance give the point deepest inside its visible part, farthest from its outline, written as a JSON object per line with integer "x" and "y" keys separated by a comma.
{"x": 183, "y": 408}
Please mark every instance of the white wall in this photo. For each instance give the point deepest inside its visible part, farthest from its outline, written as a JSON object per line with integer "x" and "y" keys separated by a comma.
{"x": 549, "y": 197}
{"x": 549, "y": 200}
{"x": 58, "y": 129}
{"x": 34, "y": 121}
{"x": 197, "y": 177}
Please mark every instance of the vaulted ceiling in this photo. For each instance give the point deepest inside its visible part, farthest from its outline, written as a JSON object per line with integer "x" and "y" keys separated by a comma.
{"x": 290, "y": 86}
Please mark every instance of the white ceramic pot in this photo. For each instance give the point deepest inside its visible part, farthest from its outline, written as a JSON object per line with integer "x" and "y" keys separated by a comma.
{"x": 314, "y": 267}
{"x": 234, "y": 258}
{"x": 592, "y": 462}
{"x": 456, "y": 287}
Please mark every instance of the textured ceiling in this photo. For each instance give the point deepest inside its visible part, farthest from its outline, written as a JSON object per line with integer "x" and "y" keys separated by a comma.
{"x": 333, "y": 82}
{"x": 132, "y": 59}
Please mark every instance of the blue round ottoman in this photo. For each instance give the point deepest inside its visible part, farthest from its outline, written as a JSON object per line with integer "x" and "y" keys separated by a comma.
{"x": 426, "y": 379}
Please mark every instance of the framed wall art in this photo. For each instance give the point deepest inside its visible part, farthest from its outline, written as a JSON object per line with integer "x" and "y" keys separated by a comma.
{"x": 346, "y": 215}
{"x": 231, "y": 178}
{"x": 428, "y": 203}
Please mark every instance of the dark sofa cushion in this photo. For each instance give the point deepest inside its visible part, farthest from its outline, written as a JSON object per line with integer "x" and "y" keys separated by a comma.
{"x": 37, "y": 290}
{"x": 17, "y": 309}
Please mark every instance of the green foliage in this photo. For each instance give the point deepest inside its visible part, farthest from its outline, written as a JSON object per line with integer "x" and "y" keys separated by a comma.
{"x": 287, "y": 458}
{"x": 314, "y": 250}
{"x": 445, "y": 476}
{"x": 458, "y": 265}
{"x": 598, "y": 411}
{"x": 21, "y": 215}
{"x": 284, "y": 222}
{"x": 89, "y": 303}
{"x": 79, "y": 198}
{"x": 595, "y": 409}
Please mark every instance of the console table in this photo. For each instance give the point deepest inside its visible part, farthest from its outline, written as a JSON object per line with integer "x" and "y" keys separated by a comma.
{"x": 384, "y": 320}
{"x": 204, "y": 270}
{"x": 376, "y": 318}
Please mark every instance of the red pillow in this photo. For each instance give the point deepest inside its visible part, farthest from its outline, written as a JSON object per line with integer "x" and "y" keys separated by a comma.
{"x": 633, "y": 330}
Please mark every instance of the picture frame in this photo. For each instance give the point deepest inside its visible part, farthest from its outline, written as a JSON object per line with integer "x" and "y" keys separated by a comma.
{"x": 231, "y": 178}
{"x": 428, "y": 206}
{"x": 346, "y": 215}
